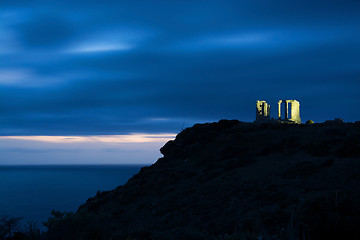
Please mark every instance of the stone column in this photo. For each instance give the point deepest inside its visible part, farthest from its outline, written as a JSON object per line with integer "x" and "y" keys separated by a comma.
{"x": 286, "y": 109}
{"x": 279, "y": 108}
{"x": 295, "y": 111}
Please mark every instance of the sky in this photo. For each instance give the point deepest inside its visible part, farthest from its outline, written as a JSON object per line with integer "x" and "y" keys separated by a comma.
{"x": 107, "y": 82}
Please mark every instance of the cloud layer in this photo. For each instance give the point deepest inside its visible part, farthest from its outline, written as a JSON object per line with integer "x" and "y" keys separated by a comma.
{"x": 98, "y": 68}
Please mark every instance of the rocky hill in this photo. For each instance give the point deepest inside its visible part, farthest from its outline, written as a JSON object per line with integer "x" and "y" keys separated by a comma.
{"x": 234, "y": 180}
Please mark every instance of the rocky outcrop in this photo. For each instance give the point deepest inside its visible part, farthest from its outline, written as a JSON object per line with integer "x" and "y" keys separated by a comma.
{"x": 234, "y": 180}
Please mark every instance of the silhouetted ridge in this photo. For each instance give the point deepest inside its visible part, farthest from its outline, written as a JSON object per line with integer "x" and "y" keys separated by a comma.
{"x": 235, "y": 180}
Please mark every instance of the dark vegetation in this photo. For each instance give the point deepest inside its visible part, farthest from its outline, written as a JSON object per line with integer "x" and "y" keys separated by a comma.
{"x": 231, "y": 180}
{"x": 12, "y": 229}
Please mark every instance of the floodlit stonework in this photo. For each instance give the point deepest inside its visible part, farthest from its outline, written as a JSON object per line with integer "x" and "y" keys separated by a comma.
{"x": 291, "y": 111}
{"x": 262, "y": 111}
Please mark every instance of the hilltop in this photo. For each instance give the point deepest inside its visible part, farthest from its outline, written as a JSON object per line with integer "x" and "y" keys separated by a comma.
{"x": 234, "y": 180}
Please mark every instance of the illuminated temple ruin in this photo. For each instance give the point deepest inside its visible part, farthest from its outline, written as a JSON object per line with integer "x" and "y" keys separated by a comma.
{"x": 291, "y": 112}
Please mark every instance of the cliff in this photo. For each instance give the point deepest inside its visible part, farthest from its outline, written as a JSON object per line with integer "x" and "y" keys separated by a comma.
{"x": 234, "y": 180}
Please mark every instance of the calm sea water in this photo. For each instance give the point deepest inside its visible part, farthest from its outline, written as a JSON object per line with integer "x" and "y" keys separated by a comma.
{"x": 31, "y": 192}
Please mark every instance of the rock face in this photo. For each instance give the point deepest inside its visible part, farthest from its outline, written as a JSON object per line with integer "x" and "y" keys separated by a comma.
{"x": 235, "y": 180}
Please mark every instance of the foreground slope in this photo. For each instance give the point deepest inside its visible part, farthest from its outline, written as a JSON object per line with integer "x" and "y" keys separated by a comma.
{"x": 234, "y": 180}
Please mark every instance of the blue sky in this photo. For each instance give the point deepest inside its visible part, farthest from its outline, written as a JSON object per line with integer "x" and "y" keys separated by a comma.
{"x": 90, "y": 68}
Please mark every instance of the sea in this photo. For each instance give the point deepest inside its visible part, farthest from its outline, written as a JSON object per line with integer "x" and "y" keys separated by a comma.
{"x": 32, "y": 192}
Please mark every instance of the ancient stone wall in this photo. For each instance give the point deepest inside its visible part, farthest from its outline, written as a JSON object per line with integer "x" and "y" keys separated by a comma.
{"x": 262, "y": 111}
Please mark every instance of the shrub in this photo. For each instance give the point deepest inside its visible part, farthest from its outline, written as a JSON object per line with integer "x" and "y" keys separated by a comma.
{"x": 8, "y": 226}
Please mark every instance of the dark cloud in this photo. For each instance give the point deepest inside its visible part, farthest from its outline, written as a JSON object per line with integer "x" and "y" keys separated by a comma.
{"x": 88, "y": 67}
{"x": 46, "y": 31}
